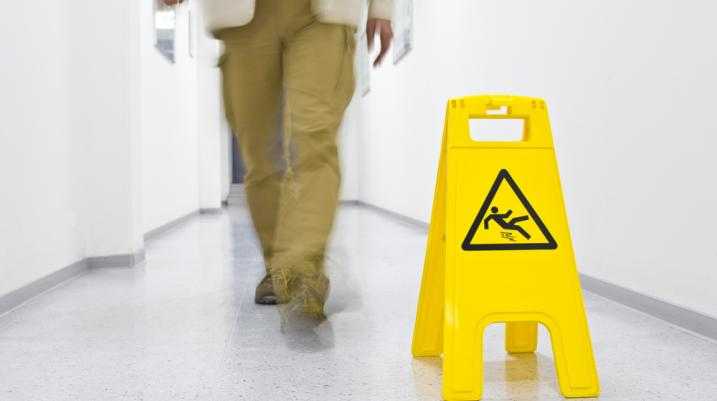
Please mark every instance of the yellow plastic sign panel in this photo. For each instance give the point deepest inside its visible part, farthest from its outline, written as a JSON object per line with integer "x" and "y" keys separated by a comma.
{"x": 499, "y": 251}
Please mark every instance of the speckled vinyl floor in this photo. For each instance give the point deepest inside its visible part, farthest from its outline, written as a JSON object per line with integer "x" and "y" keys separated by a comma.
{"x": 183, "y": 327}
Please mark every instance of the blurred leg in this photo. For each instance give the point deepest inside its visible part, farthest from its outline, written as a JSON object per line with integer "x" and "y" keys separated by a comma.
{"x": 252, "y": 80}
{"x": 319, "y": 83}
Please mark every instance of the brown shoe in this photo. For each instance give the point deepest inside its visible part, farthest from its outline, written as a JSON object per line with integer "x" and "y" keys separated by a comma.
{"x": 305, "y": 298}
{"x": 315, "y": 291}
{"x": 265, "y": 294}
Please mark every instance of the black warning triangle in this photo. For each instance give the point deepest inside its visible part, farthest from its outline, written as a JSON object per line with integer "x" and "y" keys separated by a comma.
{"x": 467, "y": 245}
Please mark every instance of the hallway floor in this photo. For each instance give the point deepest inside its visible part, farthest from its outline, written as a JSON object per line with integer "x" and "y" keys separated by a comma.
{"x": 183, "y": 326}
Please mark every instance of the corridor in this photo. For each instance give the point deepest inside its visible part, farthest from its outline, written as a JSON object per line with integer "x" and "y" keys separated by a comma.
{"x": 183, "y": 326}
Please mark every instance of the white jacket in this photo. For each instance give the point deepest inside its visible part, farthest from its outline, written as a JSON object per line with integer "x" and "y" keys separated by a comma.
{"x": 220, "y": 14}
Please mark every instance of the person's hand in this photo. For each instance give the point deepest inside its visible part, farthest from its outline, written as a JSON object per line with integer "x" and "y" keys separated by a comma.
{"x": 382, "y": 28}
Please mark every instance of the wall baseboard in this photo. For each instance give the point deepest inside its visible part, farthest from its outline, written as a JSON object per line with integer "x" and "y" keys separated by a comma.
{"x": 16, "y": 298}
{"x": 212, "y": 210}
{"x": 389, "y": 213}
{"x": 687, "y": 319}
{"x": 23, "y": 294}
{"x": 125, "y": 260}
{"x": 170, "y": 225}
{"x": 696, "y": 322}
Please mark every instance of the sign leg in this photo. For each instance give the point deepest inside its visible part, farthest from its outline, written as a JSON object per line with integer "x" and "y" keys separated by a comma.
{"x": 574, "y": 361}
{"x": 428, "y": 332}
{"x": 463, "y": 363}
{"x": 521, "y": 337}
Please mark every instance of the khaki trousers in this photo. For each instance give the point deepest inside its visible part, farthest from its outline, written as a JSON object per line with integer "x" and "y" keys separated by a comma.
{"x": 292, "y": 183}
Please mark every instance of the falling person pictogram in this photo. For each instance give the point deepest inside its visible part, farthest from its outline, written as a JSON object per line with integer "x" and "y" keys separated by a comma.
{"x": 511, "y": 225}
{"x": 503, "y": 202}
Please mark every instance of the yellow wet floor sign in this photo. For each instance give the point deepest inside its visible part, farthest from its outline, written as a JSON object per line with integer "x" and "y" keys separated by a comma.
{"x": 499, "y": 251}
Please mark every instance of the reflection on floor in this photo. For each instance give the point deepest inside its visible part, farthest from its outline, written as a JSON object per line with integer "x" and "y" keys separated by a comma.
{"x": 183, "y": 327}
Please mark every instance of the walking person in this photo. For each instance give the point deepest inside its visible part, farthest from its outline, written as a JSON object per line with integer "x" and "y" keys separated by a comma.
{"x": 295, "y": 58}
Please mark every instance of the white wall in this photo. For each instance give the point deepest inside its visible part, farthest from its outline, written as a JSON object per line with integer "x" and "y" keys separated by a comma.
{"x": 99, "y": 136}
{"x": 353, "y": 127}
{"x": 103, "y": 81}
{"x": 630, "y": 86}
{"x": 348, "y": 138}
{"x": 214, "y": 134}
{"x": 170, "y": 181}
{"x": 39, "y": 230}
